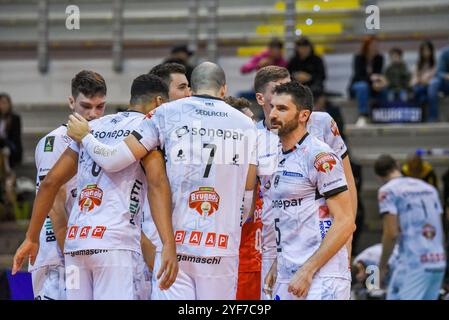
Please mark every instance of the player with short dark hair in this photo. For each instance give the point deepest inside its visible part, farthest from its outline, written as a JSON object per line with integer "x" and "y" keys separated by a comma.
{"x": 103, "y": 243}
{"x": 174, "y": 75}
{"x": 312, "y": 261}
{"x": 88, "y": 98}
{"x": 320, "y": 125}
{"x": 210, "y": 149}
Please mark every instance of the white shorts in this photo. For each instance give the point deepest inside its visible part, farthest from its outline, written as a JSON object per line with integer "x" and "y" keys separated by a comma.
{"x": 267, "y": 262}
{"x": 102, "y": 274}
{"x": 143, "y": 281}
{"x": 322, "y": 288}
{"x": 199, "y": 278}
{"x": 49, "y": 283}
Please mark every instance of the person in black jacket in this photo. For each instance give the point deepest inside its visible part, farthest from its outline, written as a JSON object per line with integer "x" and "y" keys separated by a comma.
{"x": 306, "y": 67}
{"x": 10, "y": 131}
{"x": 367, "y": 79}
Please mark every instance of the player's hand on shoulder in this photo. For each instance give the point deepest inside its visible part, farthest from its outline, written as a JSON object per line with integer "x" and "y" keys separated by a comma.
{"x": 77, "y": 127}
{"x": 28, "y": 249}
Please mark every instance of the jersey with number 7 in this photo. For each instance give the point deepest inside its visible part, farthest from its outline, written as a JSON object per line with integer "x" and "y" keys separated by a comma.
{"x": 208, "y": 146}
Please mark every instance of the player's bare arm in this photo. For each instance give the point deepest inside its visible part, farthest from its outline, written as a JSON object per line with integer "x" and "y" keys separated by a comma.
{"x": 64, "y": 169}
{"x": 270, "y": 279}
{"x": 58, "y": 217}
{"x": 148, "y": 251}
{"x": 351, "y": 184}
{"x": 342, "y": 228}
{"x": 159, "y": 197}
{"x": 353, "y": 194}
{"x": 389, "y": 236}
{"x": 109, "y": 158}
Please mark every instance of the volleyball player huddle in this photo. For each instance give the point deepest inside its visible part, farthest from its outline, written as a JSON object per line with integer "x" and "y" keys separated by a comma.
{"x": 150, "y": 203}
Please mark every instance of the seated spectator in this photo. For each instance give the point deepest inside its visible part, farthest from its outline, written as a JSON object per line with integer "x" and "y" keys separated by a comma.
{"x": 440, "y": 83}
{"x": 397, "y": 76}
{"x": 365, "y": 82}
{"x": 10, "y": 131}
{"x": 425, "y": 70}
{"x": 272, "y": 55}
{"x": 181, "y": 54}
{"x": 306, "y": 67}
{"x": 416, "y": 167}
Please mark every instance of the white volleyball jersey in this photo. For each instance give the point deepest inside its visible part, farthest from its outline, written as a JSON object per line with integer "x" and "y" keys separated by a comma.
{"x": 108, "y": 212}
{"x": 209, "y": 146}
{"x": 320, "y": 125}
{"x": 417, "y": 205}
{"x": 48, "y": 151}
{"x": 308, "y": 170}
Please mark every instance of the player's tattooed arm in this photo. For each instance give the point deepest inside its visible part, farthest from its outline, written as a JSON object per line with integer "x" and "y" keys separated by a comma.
{"x": 64, "y": 169}
{"x": 148, "y": 251}
{"x": 159, "y": 197}
{"x": 58, "y": 217}
{"x": 337, "y": 236}
{"x": 389, "y": 236}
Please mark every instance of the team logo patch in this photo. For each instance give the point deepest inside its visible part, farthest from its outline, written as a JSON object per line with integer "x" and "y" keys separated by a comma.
{"x": 334, "y": 128}
{"x": 324, "y": 162}
{"x": 428, "y": 231}
{"x": 90, "y": 197}
{"x": 205, "y": 201}
{"x": 49, "y": 144}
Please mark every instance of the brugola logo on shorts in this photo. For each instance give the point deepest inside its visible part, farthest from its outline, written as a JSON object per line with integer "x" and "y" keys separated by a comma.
{"x": 90, "y": 197}
{"x": 286, "y": 203}
{"x": 85, "y": 232}
{"x": 197, "y": 238}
